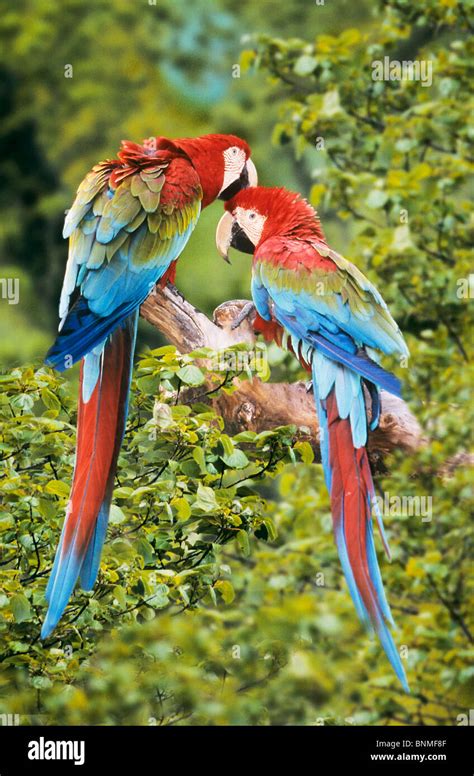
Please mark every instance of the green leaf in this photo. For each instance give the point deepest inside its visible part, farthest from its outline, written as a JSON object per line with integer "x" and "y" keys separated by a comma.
{"x": 306, "y": 452}
{"x": 41, "y": 682}
{"x": 225, "y": 588}
{"x": 236, "y": 460}
{"x": 50, "y": 400}
{"x": 377, "y": 198}
{"x": 212, "y": 593}
{"x": 162, "y": 415}
{"x": 243, "y": 542}
{"x": 119, "y": 593}
{"x": 23, "y": 401}
{"x": 163, "y": 351}
{"x": 6, "y": 521}
{"x": 123, "y": 492}
{"x": 117, "y": 516}
{"x": 227, "y": 444}
{"x": 245, "y": 436}
{"x": 160, "y": 598}
{"x": 57, "y": 488}
{"x": 331, "y": 104}
{"x": 183, "y": 508}
{"x": 145, "y": 549}
{"x": 191, "y": 375}
{"x": 20, "y": 607}
{"x": 206, "y": 499}
{"x": 304, "y": 65}
{"x": 200, "y": 458}
{"x": 271, "y": 529}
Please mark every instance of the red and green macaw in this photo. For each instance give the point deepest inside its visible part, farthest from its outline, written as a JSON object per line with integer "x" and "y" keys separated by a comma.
{"x": 321, "y": 306}
{"x": 131, "y": 219}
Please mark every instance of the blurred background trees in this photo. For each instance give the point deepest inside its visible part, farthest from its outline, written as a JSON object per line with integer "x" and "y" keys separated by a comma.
{"x": 229, "y": 607}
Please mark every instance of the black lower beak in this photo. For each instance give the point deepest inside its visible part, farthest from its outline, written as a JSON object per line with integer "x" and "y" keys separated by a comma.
{"x": 240, "y": 241}
{"x": 240, "y": 183}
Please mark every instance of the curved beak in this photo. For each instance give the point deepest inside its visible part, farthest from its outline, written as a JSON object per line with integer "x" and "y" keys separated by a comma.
{"x": 252, "y": 173}
{"x": 224, "y": 235}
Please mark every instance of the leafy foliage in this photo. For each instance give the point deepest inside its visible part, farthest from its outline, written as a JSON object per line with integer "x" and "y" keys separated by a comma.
{"x": 185, "y": 488}
{"x": 220, "y": 598}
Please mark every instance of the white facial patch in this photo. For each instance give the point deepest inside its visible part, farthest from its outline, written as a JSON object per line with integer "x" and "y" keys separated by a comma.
{"x": 234, "y": 162}
{"x": 252, "y": 222}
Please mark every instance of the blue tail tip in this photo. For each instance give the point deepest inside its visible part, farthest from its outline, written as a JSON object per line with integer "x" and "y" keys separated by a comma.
{"x": 404, "y": 683}
{"x": 48, "y": 626}
{"x": 45, "y": 631}
{"x": 401, "y": 676}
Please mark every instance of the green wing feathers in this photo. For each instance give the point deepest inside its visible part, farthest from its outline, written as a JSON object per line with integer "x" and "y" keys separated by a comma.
{"x": 129, "y": 214}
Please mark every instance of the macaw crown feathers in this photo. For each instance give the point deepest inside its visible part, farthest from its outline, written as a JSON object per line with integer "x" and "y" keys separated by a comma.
{"x": 211, "y": 143}
{"x": 286, "y": 212}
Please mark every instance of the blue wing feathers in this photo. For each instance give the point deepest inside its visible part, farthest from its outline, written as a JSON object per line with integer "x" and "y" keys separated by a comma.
{"x": 357, "y": 361}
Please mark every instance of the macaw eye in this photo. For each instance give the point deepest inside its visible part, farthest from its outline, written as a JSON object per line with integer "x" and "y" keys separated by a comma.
{"x": 234, "y": 151}
{"x": 252, "y": 216}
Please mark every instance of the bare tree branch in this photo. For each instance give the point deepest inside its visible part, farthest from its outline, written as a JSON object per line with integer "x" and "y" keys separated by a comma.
{"x": 256, "y": 405}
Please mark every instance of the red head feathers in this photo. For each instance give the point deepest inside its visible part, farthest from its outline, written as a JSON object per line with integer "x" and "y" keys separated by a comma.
{"x": 286, "y": 213}
{"x": 222, "y": 162}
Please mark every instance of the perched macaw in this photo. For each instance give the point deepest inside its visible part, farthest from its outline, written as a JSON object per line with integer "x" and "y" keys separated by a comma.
{"x": 321, "y": 306}
{"x": 131, "y": 219}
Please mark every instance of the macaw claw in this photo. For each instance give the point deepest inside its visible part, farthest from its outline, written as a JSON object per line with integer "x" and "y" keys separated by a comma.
{"x": 246, "y": 311}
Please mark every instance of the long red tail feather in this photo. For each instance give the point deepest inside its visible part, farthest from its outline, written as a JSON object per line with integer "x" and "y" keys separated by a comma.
{"x": 100, "y": 428}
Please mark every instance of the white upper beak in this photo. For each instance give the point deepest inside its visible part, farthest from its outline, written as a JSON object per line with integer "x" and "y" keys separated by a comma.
{"x": 252, "y": 173}
{"x": 224, "y": 235}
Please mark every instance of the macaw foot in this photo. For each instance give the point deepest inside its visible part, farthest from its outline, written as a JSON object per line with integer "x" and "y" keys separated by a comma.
{"x": 175, "y": 290}
{"x": 246, "y": 311}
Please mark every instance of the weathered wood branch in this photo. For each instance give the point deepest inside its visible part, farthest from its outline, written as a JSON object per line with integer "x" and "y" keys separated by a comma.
{"x": 259, "y": 406}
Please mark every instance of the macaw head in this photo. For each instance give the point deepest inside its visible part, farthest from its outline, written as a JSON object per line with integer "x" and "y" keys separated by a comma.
{"x": 222, "y": 162}
{"x": 256, "y": 214}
